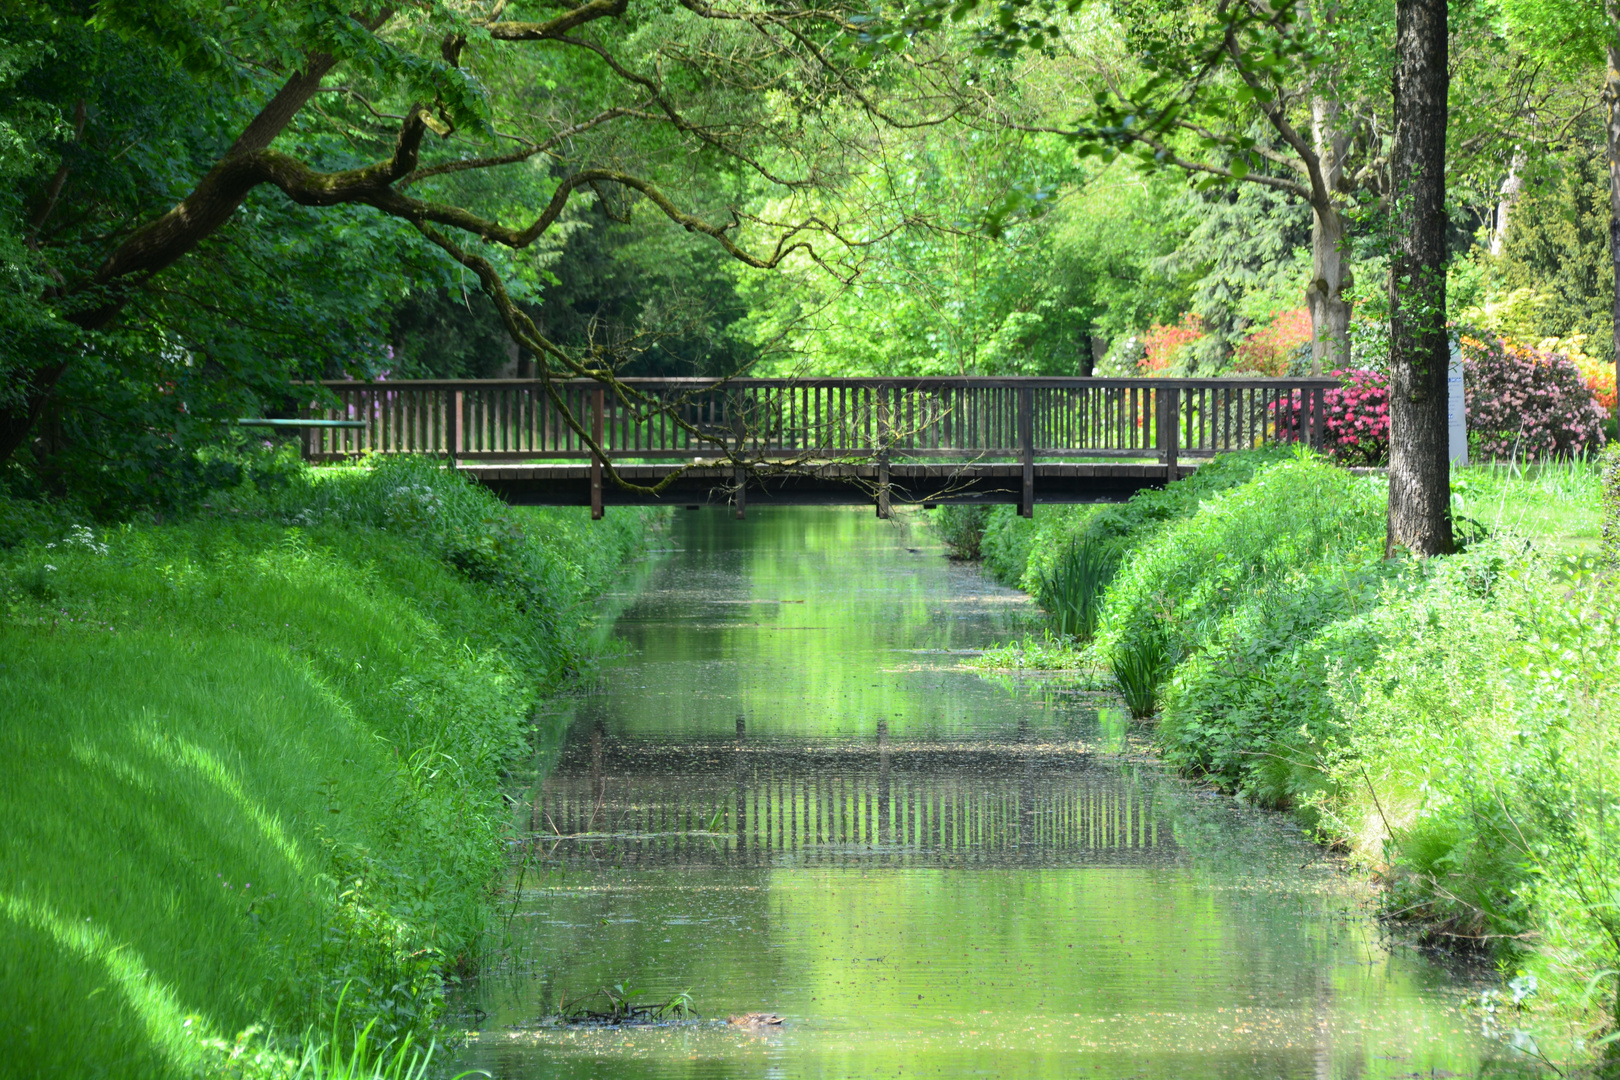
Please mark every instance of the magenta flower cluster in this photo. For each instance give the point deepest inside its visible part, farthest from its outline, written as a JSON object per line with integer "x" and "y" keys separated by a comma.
{"x": 1527, "y": 404}
{"x": 1355, "y": 418}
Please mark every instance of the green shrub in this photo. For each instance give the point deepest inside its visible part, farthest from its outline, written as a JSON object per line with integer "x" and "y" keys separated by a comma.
{"x": 1021, "y": 551}
{"x": 960, "y": 529}
{"x": 1251, "y": 706}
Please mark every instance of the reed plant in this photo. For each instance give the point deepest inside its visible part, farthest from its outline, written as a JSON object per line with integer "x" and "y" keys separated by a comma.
{"x": 1072, "y": 591}
{"x": 1141, "y": 663}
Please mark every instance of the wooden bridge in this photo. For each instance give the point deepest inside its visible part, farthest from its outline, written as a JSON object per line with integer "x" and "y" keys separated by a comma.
{"x": 810, "y": 441}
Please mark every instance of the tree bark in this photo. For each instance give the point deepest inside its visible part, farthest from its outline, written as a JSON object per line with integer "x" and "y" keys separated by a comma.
{"x": 1330, "y": 311}
{"x": 1419, "y": 355}
{"x": 1611, "y": 94}
{"x": 1330, "y": 273}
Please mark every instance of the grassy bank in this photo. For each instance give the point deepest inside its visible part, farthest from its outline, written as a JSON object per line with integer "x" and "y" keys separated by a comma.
{"x": 1448, "y": 721}
{"x": 253, "y": 758}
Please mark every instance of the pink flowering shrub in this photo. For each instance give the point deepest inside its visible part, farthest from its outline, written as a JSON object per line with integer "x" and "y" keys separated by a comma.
{"x": 1355, "y": 418}
{"x": 1526, "y": 403}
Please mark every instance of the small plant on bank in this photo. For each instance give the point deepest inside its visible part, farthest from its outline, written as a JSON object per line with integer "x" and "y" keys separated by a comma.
{"x": 1141, "y": 663}
{"x": 1073, "y": 590}
{"x": 1045, "y": 653}
{"x": 961, "y": 529}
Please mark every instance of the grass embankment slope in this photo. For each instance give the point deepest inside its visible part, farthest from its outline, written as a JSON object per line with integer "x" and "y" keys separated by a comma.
{"x": 253, "y": 758}
{"x": 1451, "y": 721}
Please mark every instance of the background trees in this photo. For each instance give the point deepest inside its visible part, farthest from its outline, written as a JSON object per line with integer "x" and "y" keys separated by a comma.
{"x": 202, "y": 206}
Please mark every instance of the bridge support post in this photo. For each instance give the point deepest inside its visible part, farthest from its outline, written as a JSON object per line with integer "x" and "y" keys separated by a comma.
{"x": 597, "y": 404}
{"x": 740, "y": 500}
{"x": 883, "y": 454}
{"x": 1168, "y": 408}
{"x": 454, "y": 406}
{"x": 1026, "y": 439}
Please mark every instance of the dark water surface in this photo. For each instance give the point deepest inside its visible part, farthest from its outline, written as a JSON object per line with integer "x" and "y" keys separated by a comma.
{"x": 788, "y": 796}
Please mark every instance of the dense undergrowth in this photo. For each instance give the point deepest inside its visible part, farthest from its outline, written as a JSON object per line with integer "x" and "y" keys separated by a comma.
{"x": 251, "y": 760}
{"x": 1450, "y": 721}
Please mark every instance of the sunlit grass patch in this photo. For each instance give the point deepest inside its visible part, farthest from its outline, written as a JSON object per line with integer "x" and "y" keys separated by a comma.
{"x": 1555, "y": 502}
{"x": 252, "y": 762}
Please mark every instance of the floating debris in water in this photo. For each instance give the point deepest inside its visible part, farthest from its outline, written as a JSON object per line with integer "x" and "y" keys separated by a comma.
{"x": 755, "y": 1020}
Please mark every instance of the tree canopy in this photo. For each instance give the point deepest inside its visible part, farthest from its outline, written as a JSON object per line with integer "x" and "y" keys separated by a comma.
{"x": 205, "y": 204}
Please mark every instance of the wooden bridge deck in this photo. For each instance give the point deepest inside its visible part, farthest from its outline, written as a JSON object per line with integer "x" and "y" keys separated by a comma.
{"x": 833, "y": 485}
{"x": 817, "y": 441}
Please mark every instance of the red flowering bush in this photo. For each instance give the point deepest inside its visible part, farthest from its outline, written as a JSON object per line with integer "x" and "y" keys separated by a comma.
{"x": 1162, "y": 343}
{"x": 1268, "y": 350}
{"x": 1355, "y": 418}
{"x": 1526, "y": 403}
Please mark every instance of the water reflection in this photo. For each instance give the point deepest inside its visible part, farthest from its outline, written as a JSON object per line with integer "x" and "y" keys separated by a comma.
{"x": 886, "y": 803}
{"x": 789, "y": 797}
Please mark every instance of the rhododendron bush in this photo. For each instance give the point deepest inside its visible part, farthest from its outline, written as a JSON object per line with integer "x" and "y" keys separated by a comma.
{"x": 1596, "y": 374}
{"x": 1269, "y": 349}
{"x": 1162, "y": 344}
{"x": 1526, "y": 403}
{"x": 1355, "y": 418}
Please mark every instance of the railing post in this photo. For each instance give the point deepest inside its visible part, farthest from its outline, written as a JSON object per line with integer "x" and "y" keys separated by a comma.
{"x": 884, "y": 426}
{"x": 453, "y": 406}
{"x": 310, "y": 435}
{"x": 597, "y": 404}
{"x": 1169, "y": 410}
{"x": 1318, "y": 425}
{"x": 1026, "y": 439}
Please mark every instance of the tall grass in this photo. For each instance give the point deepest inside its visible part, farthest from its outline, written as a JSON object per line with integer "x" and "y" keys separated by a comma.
{"x": 1556, "y": 501}
{"x": 1072, "y": 591}
{"x": 254, "y": 757}
{"x": 1140, "y": 664}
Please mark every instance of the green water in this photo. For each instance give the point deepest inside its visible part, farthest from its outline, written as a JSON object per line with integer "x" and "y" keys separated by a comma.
{"x": 788, "y": 796}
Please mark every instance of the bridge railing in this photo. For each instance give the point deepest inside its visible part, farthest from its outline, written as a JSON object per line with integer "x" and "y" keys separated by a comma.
{"x": 821, "y": 419}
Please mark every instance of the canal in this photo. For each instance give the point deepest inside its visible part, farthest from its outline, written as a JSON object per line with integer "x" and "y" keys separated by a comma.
{"x": 787, "y": 794}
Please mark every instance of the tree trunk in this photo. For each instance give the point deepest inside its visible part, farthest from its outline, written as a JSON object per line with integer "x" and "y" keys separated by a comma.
{"x": 1611, "y": 93}
{"x": 1330, "y": 272}
{"x": 1330, "y": 311}
{"x": 1091, "y": 354}
{"x": 1419, "y": 351}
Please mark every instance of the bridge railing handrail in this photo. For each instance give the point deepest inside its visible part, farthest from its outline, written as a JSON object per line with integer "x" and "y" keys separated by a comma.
{"x": 930, "y": 417}
{"x": 921, "y": 382}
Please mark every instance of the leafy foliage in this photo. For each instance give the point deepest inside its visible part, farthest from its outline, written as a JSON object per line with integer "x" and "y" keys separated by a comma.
{"x": 1558, "y": 246}
{"x": 1273, "y": 348}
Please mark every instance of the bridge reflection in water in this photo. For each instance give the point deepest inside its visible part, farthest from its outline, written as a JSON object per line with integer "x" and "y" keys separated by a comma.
{"x": 908, "y": 803}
